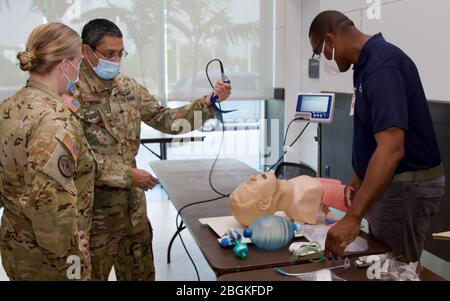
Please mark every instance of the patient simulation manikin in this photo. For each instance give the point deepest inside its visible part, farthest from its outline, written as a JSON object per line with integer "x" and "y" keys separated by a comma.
{"x": 300, "y": 198}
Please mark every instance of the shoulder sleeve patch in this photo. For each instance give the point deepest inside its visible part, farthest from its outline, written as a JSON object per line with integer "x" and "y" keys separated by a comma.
{"x": 68, "y": 143}
{"x": 61, "y": 167}
{"x": 66, "y": 166}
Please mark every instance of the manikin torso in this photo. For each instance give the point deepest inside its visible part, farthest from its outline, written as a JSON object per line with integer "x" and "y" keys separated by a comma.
{"x": 307, "y": 197}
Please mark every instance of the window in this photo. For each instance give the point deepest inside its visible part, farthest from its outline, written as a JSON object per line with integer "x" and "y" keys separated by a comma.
{"x": 169, "y": 44}
{"x": 169, "y": 41}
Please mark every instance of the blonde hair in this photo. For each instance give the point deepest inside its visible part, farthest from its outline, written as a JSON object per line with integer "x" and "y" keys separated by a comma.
{"x": 47, "y": 45}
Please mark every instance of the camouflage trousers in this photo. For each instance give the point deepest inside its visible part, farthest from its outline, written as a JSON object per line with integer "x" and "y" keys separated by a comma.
{"x": 24, "y": 260}
{"x": 129, "y": 251}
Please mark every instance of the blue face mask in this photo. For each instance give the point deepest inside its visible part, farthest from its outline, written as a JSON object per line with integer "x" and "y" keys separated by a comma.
{"x": 72, "y": 84}
{"x": 106, "y": 69}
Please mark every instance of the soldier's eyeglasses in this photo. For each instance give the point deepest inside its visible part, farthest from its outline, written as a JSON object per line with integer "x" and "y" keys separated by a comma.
{"x": 110, "y": 55}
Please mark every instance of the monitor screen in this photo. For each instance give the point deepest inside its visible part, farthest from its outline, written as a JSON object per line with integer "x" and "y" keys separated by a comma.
{"x": 313, "y": 103}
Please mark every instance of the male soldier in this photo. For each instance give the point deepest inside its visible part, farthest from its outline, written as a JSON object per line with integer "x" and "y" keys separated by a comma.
{"x": 112, "y": 107}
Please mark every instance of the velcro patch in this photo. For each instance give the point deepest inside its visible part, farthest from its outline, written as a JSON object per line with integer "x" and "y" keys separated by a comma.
{"x": 66, "y": 167}
{"x": 71, "y": 147}
{"x": 71, "y": 103}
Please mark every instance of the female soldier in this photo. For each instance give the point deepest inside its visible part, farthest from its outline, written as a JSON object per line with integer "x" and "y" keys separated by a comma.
{"x": 47, "y": 168}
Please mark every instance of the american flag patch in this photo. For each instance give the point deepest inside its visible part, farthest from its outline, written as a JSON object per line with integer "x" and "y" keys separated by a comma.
{"x": 71, "y": 103}
{"x": 68, "y": 142}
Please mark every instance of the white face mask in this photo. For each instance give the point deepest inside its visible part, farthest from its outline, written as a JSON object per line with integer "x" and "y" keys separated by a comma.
{"x": 330, "y": 66}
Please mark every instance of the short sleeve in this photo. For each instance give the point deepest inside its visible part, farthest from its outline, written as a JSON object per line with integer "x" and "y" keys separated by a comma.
{"x": 387, "y": 99}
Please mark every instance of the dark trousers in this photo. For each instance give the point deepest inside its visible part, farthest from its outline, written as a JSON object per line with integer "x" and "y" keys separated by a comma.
{"x": 401, "y": 218}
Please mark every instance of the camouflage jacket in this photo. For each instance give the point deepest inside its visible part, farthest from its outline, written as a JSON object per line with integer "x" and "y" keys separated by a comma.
{"x": 112, "y": 112}
{"x": 47, "y": 172}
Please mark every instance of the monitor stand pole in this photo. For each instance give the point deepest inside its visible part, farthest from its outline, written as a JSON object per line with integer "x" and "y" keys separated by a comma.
{"x": 318, "y": 139}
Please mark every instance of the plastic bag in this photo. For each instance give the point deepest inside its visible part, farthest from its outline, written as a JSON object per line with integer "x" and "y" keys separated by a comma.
{"x": 393, "y": 270}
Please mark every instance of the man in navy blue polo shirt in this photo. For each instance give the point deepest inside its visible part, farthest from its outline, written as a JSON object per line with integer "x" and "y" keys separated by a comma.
{"x": 398, "y": 180}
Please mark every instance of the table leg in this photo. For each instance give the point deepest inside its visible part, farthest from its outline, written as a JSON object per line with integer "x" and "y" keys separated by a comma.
{"x": 163, "y": 150}
{"x": 158, "y": 156}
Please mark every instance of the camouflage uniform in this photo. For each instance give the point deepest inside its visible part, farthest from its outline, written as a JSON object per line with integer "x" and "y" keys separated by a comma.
{"x": 112, "y": 112}
{"x": 47, "y": 172}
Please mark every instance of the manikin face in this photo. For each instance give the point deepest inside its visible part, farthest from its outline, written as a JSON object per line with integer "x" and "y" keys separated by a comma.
{"x": 254, "y": 198}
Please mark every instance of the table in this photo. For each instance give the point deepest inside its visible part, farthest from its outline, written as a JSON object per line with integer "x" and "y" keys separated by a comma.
{"x": 352, "y": 274}
{"x": 186, "y": 181}
{"x": 164, "y": 139}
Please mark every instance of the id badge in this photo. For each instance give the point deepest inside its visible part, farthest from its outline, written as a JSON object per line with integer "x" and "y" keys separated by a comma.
{"x": 352, "y": 108}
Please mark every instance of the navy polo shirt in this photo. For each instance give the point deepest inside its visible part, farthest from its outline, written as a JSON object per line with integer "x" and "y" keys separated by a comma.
{"x": 389, "y": 93}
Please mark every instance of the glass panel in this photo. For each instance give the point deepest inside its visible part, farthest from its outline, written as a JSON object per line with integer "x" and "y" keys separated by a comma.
{"x": 234, "y": 31}
{"x": 140, "y": 22}
{"x": 242, "y": 138}
{"x": 17, "y": 20}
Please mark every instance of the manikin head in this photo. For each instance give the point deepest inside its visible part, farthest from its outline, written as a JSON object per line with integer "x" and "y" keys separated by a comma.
{"x": 255, "y": 198}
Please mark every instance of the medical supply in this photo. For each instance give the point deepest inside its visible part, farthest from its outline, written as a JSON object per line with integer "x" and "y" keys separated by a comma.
{"x": 393, "y": 270}
{"x": 320, "y": 275}
{"x": 234, "y": 238}
{"x": 311, "y": 249}
{"x": 214, "y": 97}
{"x": 271, "y": 232}
{"x": 221, "y": 196}
{"x": 367, "y": 261}
{"x": 286, "y": 149}
{"x": 230, "y": 238}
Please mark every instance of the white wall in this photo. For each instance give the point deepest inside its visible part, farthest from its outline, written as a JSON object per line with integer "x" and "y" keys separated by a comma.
{"x": 419, "y": 27}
